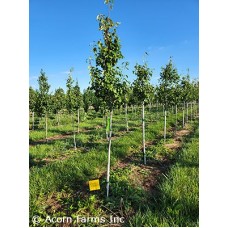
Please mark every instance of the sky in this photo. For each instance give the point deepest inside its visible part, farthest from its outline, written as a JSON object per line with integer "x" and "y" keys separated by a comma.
{"x": 61, "y": 34}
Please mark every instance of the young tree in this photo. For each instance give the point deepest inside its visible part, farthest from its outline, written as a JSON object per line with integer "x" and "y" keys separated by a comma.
{"x": 195, "y": 94}
{"x": 168, "y": 79}
{"x": 175, "y": 94}
{"x": 106, "y": 76}
{"x": 78, "y": 101}
{"x": 156, "y": 97}
{"x": 185, "y": 94}
{"x": 59, "y": 101}
{"x": 32, "y": 103}
{"x": 88, "y": 99}
{"x": 70, "y": 100}
{"x": 151, "y": 97}
{"x": 141, "y": 89}
{"x": 43, "y": 98}
{"x": 125, "y": 98}
{"x": 133, "y": 100}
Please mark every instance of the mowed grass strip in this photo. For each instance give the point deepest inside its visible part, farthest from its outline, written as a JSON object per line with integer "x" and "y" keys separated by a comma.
{"x": 178, "y": 201}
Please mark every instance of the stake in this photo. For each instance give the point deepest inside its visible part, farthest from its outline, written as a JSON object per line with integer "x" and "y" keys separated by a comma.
{"x": 106, "y": 122}
{"x": 187, "y": 114}
{"x": 46, "y": 126}
{"x": 109, "y": 153}
{"x": 74, "y": 141}
{"x": 183, "y": 115}
{"x": 157, "y": 108}
{"x": 78, "y": 119}
{"x": 165, "y": 128}
{"x": 176, "y": 119}
{"x": 143, "y": 134}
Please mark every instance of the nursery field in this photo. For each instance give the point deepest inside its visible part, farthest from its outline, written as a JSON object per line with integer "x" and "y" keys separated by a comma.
{"x": 164, "y": 192}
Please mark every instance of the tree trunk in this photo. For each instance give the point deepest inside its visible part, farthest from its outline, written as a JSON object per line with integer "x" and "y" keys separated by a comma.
{"x": 46, "y": 126}
{"x": 109, "y": 153}
{"x": 165, "y": 128}
{"x": 191, "y": 111}
{"x": 183, "y": 114}
{"x": 126, "y": 116}
{"x": 143, "y": 134}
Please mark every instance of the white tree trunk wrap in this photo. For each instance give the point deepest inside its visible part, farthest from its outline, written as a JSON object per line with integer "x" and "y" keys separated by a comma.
{"x": 46, "y": 127}
{"x": 187, "y": 114}
{"x": 109, "y": 154}
{"x": 143, "y": 133}
{"x": 78, "y": 119}
{"x": 165, "y": 127}
{"x": 176, "y": 118}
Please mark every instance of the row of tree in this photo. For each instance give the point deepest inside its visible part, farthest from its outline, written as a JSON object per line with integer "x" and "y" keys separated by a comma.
{"x": 172, "y": 90}
{"x": 110, "y": 88}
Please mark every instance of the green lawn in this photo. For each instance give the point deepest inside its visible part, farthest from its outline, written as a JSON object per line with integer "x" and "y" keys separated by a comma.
{"x": 59, "y": 175}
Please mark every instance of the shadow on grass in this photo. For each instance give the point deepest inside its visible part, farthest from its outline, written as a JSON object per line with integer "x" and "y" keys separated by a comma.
{"x": 33, "y": 162}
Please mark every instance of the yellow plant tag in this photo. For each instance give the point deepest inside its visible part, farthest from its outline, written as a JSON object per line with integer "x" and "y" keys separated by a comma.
{"x": 94, "y": 185}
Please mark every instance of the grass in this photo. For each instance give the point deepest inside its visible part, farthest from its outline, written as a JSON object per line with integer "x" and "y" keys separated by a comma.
{"x": 59, "y": 175}
{"x": 178, "y": 200}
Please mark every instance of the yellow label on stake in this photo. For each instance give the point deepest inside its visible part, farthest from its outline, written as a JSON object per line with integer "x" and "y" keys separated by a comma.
{"x": 94, "y": 185}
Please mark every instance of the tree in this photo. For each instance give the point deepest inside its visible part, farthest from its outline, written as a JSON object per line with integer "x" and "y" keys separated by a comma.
{"x": 32, "y": 103}
{"x": 195, "y": 94}
{"x": 168, "y": 79}
{"x": 150, "y": 97}
{"x": 185, "y": 94}
{"x": 106, "y": 76}
{"x": 88, "y": 98}
{"x": 43, "y": 98}
{"x": 59, "y": 102}
{"x": 70, "y": 100}
{"x": 156, "y": 97}
{"x": 175, "y": 97}
{"x": 97, "y": 104}
{"x": 125, "y": 99}
{"x": 78, "y": 101}
{"x": 133, "y": 100}
{"x": 141, "y": 89}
